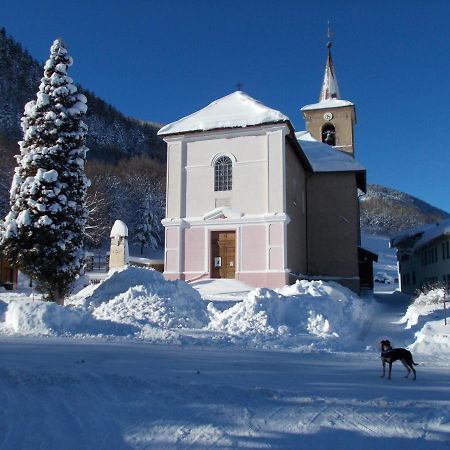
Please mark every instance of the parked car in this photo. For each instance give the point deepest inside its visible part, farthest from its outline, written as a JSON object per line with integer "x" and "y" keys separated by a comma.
{"x": 383, "y": 277}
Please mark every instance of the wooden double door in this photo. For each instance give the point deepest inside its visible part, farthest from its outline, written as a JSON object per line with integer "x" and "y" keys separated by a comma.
{"x": 223, "y": 254}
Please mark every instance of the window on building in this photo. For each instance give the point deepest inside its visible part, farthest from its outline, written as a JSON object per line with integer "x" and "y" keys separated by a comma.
{"x": 329, "y": 134}
{"x": 223, "y": 174}
{"x": 407, "y": 279}
{"x": 447, "y": 245}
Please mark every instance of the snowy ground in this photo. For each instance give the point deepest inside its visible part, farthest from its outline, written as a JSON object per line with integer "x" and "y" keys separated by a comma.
{"x": 294, "y": 369}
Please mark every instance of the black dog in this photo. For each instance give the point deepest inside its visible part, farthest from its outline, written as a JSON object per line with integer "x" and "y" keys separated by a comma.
{"x": 389, "y": 355}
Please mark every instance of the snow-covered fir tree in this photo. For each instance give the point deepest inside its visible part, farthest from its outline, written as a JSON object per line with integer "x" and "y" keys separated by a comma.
{"x": 43, "y": 232}
{"x": 146, "y": 227}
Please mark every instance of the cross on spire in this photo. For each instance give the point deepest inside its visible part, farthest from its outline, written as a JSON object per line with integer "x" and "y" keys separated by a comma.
{"x": 239, "y": 85}
{"x": 329, "y": 34}
{"x": 330, "y": 87}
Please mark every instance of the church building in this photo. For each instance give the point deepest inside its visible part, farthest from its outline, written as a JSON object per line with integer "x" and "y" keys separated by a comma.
{"x": 250, "y": 199}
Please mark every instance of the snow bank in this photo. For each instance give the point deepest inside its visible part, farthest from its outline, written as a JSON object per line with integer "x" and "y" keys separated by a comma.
{"x": 140, "y": 296}
{"x": 433, "y": 339}
{"x": 3, "y": 308}
{"x": 138, "y": 302}
{"x": 315, "y": 308}
{"x": 38, "y": 317}
{"x": 29, "y": 317}
{"x": 426, "y": 315}
{"x": 426, "y": 304}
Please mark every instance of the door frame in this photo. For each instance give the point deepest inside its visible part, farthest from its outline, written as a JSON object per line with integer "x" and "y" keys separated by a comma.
{"x": 210, "y": 253}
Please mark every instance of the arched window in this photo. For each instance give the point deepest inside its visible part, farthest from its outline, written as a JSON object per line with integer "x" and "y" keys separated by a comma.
{"x": 223, "y": 174}
{"x": 329, "y": 134}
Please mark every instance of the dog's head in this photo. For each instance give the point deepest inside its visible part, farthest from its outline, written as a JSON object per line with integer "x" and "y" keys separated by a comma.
{"x": 385, "y": 345}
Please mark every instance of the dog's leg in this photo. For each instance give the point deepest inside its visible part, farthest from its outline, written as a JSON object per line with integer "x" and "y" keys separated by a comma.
{"x": 414, "y": 372}
{"x": 406, "y": 367}
{"x": 390, "y": 370}
{"x": 383, "y": 363}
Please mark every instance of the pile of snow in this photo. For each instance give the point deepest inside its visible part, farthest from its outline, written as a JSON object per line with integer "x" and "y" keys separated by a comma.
{"x": 37, "y": 317}
{"x": 140, "y": 296}
{"x": 138, "y": 302}
{"x": 426, "y": 306}
{"x": 315, "y": 308}
{"x": 426, "y": 315}
{"x": 3, "y": 308}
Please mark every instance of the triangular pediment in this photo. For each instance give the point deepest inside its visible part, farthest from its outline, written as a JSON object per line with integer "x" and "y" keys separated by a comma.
{"x": 222, "y": 213}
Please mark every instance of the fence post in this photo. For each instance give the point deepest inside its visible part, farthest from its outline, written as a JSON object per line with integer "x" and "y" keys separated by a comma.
{"x": 445, "y": 307}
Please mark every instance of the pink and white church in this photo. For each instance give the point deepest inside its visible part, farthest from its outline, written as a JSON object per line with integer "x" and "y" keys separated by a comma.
{"x": 249, "y": 198}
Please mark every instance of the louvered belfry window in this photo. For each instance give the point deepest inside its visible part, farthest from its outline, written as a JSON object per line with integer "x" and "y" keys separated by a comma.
{"x": 223, "y": 174}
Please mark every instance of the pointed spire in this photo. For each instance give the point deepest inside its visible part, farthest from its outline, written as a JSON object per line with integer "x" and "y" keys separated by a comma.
{"x": 330, "y": 88}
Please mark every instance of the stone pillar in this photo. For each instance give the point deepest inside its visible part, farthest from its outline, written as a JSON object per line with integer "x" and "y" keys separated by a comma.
{"x": 119, "y": 255}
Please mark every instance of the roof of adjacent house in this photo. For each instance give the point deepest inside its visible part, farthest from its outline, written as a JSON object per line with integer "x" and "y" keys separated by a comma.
{"x": 421, "y": 236}
{"x": 236, "y": 110}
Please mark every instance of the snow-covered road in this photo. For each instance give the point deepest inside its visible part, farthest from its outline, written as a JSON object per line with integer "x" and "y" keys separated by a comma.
{"x": 61, "y": 393}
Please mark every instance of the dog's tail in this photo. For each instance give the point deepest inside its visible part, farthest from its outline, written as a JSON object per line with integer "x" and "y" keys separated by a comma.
{"x": 414, "y": 363}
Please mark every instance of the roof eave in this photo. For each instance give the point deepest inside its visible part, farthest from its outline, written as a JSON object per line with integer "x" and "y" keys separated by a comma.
{"x": 189, "y": 132}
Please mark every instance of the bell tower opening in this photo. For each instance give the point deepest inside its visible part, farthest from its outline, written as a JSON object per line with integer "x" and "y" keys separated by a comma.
{"x": 329, "y": 134}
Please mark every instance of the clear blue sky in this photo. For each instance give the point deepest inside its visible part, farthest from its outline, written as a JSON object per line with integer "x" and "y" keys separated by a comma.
{"x": 161, "y": 60}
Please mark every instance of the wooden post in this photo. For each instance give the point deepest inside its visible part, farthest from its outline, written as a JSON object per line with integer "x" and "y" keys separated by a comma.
{"x": 445, "y": 307}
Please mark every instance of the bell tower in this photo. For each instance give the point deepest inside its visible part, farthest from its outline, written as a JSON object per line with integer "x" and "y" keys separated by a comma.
{"x": 331, "y": 120}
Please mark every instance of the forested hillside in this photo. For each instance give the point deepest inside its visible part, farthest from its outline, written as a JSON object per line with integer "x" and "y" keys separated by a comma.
{"x": 126, "y": 163}
{"x": 387, "y": 211}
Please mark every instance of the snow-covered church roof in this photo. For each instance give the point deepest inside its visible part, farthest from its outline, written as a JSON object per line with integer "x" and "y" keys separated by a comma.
{"x": 232, "y": 111}
{"x": 323, "y": 158}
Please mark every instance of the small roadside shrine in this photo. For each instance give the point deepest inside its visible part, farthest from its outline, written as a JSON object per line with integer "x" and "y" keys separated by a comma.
{"x": 119, "y": 254}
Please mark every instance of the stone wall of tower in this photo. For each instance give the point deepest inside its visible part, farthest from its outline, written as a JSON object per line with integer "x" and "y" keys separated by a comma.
{"x": 333, "y": 237}
{"x": 343, "y": 119}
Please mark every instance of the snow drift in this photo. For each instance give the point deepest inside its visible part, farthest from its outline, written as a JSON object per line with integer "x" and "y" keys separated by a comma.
{"x": 37, "y": 317}
{"x": 325, "y": 310}
{"x": 140, "y": 303}
{"x": 425, "y": 316}
{"x": 140, "y": 296}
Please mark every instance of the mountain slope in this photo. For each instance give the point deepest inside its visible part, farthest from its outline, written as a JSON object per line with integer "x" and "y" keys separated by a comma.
{"x": 387, "y": 211}
{"x": 114, "y": 138}
{"x": 111, "y": 134}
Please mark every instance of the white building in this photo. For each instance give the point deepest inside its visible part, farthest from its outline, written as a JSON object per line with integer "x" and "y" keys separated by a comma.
{"x": 423, "y": 256}
{"x": 250, "y": 199}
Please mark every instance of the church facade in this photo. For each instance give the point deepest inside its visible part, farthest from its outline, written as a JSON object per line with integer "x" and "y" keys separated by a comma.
{"x": 249, "y": 198}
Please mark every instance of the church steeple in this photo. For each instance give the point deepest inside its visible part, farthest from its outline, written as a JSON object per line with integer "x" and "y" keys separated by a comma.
{"x": 330, "y": 88}
{"x": 331, "y": 120}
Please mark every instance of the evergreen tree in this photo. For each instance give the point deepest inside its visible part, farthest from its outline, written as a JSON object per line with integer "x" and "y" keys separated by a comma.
{"x": 146, "y": 227}
{"x": 43, "y": 232}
